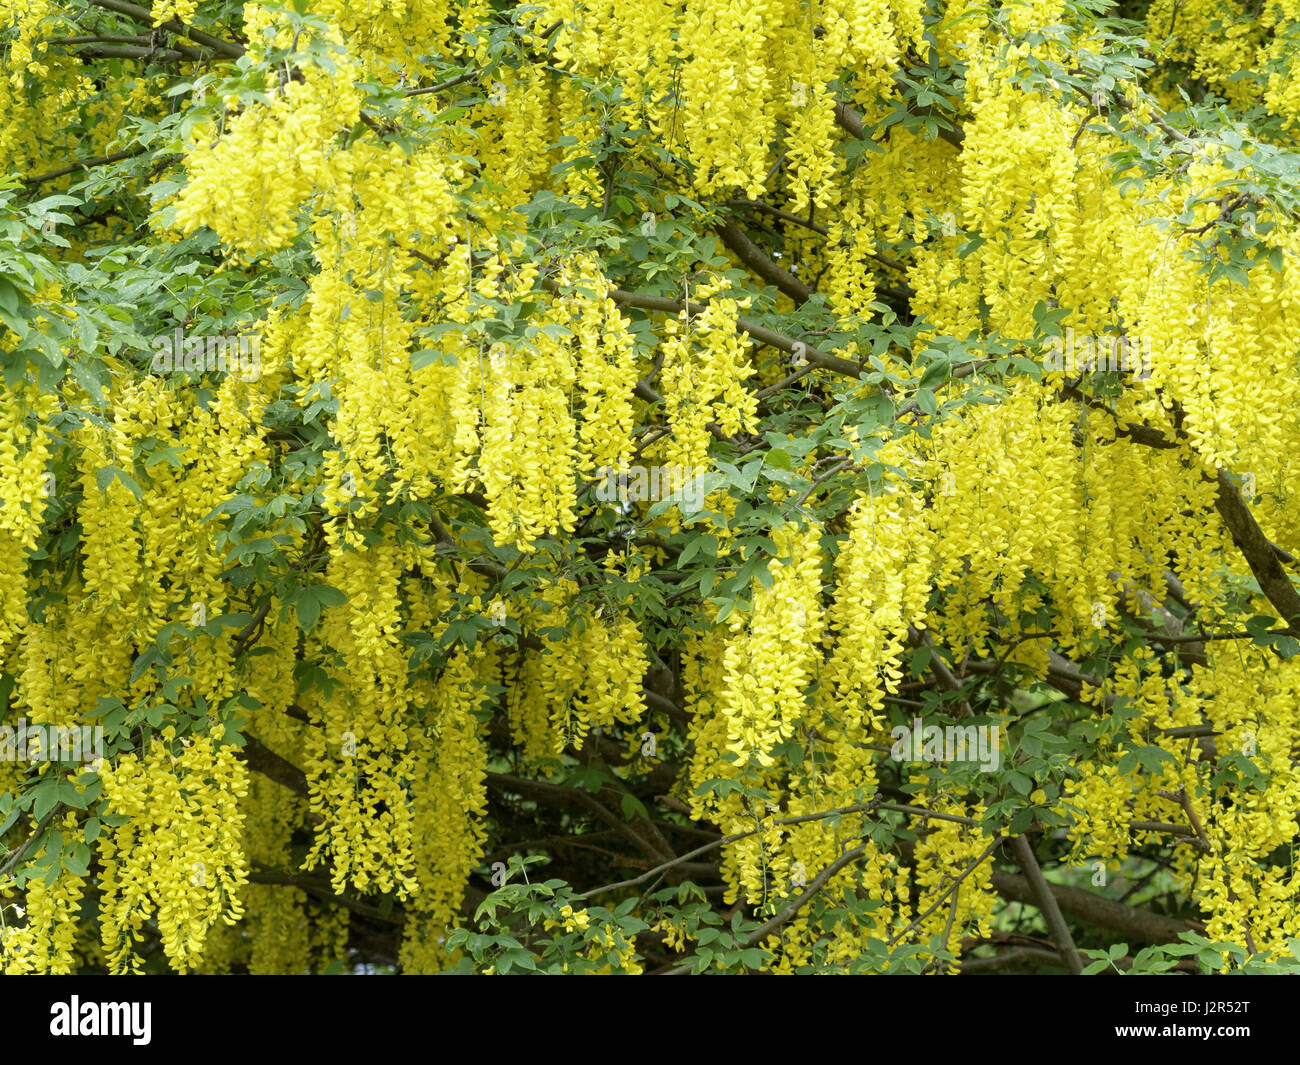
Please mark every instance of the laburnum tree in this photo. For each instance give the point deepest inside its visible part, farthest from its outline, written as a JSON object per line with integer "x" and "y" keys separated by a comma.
{"x": 542, "y": 487}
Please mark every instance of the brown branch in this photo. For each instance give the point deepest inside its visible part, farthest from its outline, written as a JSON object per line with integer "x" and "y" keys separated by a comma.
{"x": 721, "y": 841}
{"x": 558, "y": 795}
{"x": 130, "y": 51}
{"x": 760, "y": 333}
{"x": 759, "y": 262}
{"x": 321, "y": 890}
{"x": 1129, "y": 921}
{"x": 1047, "y": 904}
{"x": 851, "y": 122}
{"x": 1185, "y": 801}
{"x": 776, "y": 212}
{"x": 1184, "y": 834}
{"x": 145, "y": 16}
{"x": 766, "y": 929}
{"x": 1259, "y": 553}
{"x": 443, "y": 86}
{"x": 1010, "y": 959}
{"x": 84, "y": 164}
{"x": 261, "y": 759}
{"x": 1262, "y": 556}
{"x": 997, "y": 840}
{"x": 16, "y": 859}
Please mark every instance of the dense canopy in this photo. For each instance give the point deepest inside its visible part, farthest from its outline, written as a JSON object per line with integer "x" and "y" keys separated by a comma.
{"x": 719, "y": 485}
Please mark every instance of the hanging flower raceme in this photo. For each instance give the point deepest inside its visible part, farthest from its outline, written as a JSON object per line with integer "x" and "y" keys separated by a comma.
{"x": 178, "y": 856}
{"x": 249, "y": 177}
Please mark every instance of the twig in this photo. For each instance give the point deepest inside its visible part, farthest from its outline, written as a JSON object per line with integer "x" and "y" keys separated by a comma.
{"x": 766, "y": 929}
{"x": 997, "y": 839}
{"x": 18, "y": 856}
{"x": 863, "y": 807}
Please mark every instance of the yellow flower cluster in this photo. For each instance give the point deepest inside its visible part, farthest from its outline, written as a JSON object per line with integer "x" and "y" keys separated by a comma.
{"x": 1017, "y": 177}
{"x": 773, "y": 653}
{"x": 588, "y": 679}
{"x": 523, "y": 116}
{"x": 179, "y": 855}
{"x": 1282, "y": 94}
{"x": 182, "y": 10}
{"x": 529, "y": 444}
{"x": 26, "y": 485}
{"x": 743, "y": 76}
{"x": 706, "y": 364}
{"x": 450, "y": 800}
{"x": 275, "y": 934}
{"x": 359, "y": 761}
{"x": 39, "y": 936}
{"x": 27, "y": 49}
{"x": 606, "y": 373}
{"x": 1217, "y": 40}
{"x": 389, "y": 38}
{"x": 466, "y": 359}
{"x": 249, "y": 179}
{"x": 387, "y": 205}
{"x": 947, "y": 847}
{"x": 1015, "y": 496}
{"x": 882, "y": 581}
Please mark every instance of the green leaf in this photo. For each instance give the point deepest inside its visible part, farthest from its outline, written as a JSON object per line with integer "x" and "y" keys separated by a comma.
{"x": 308, "y": 610}
{"x": 935, "y": 374}
{"x": 8, "y": 296}
{"x": 1258, "y": 627}
{"x": 143, "y": 663}
{"x": 309, "y": 601}
{"x": 1021, "y": 783}
{"x": 78, "y": 862}
{"x": 108, "y": 474}
{"x": 46, "y": 796}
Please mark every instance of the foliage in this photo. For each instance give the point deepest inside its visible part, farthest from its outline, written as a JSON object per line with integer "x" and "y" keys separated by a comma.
{"x": 765, "y": 462}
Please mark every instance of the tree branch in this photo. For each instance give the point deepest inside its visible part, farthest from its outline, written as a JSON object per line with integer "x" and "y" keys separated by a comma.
{"x": 1047, "y": 904}
{"x": 1134, "y": 923}
{"x": 144, "y": 16}
{"x": 758, "y": 261}
{"x": 766, "y": 929}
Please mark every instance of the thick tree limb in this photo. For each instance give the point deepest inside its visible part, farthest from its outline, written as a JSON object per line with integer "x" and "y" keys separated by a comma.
{"x": 758, "y": 261}
{"x": 261, "y": 759}
{"x": 322, "y": 891}
{"x": 1047, "y": 904}
{"x": 561, "y": 796}
{"x": 1015, "y": 958}
{"x": 1259, "y": 553}
{"x": 130, "y": 51}
{"x": 1131, "y": 922}
{"x": 84, "y": 164}
{"x": 144, "y": 16}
